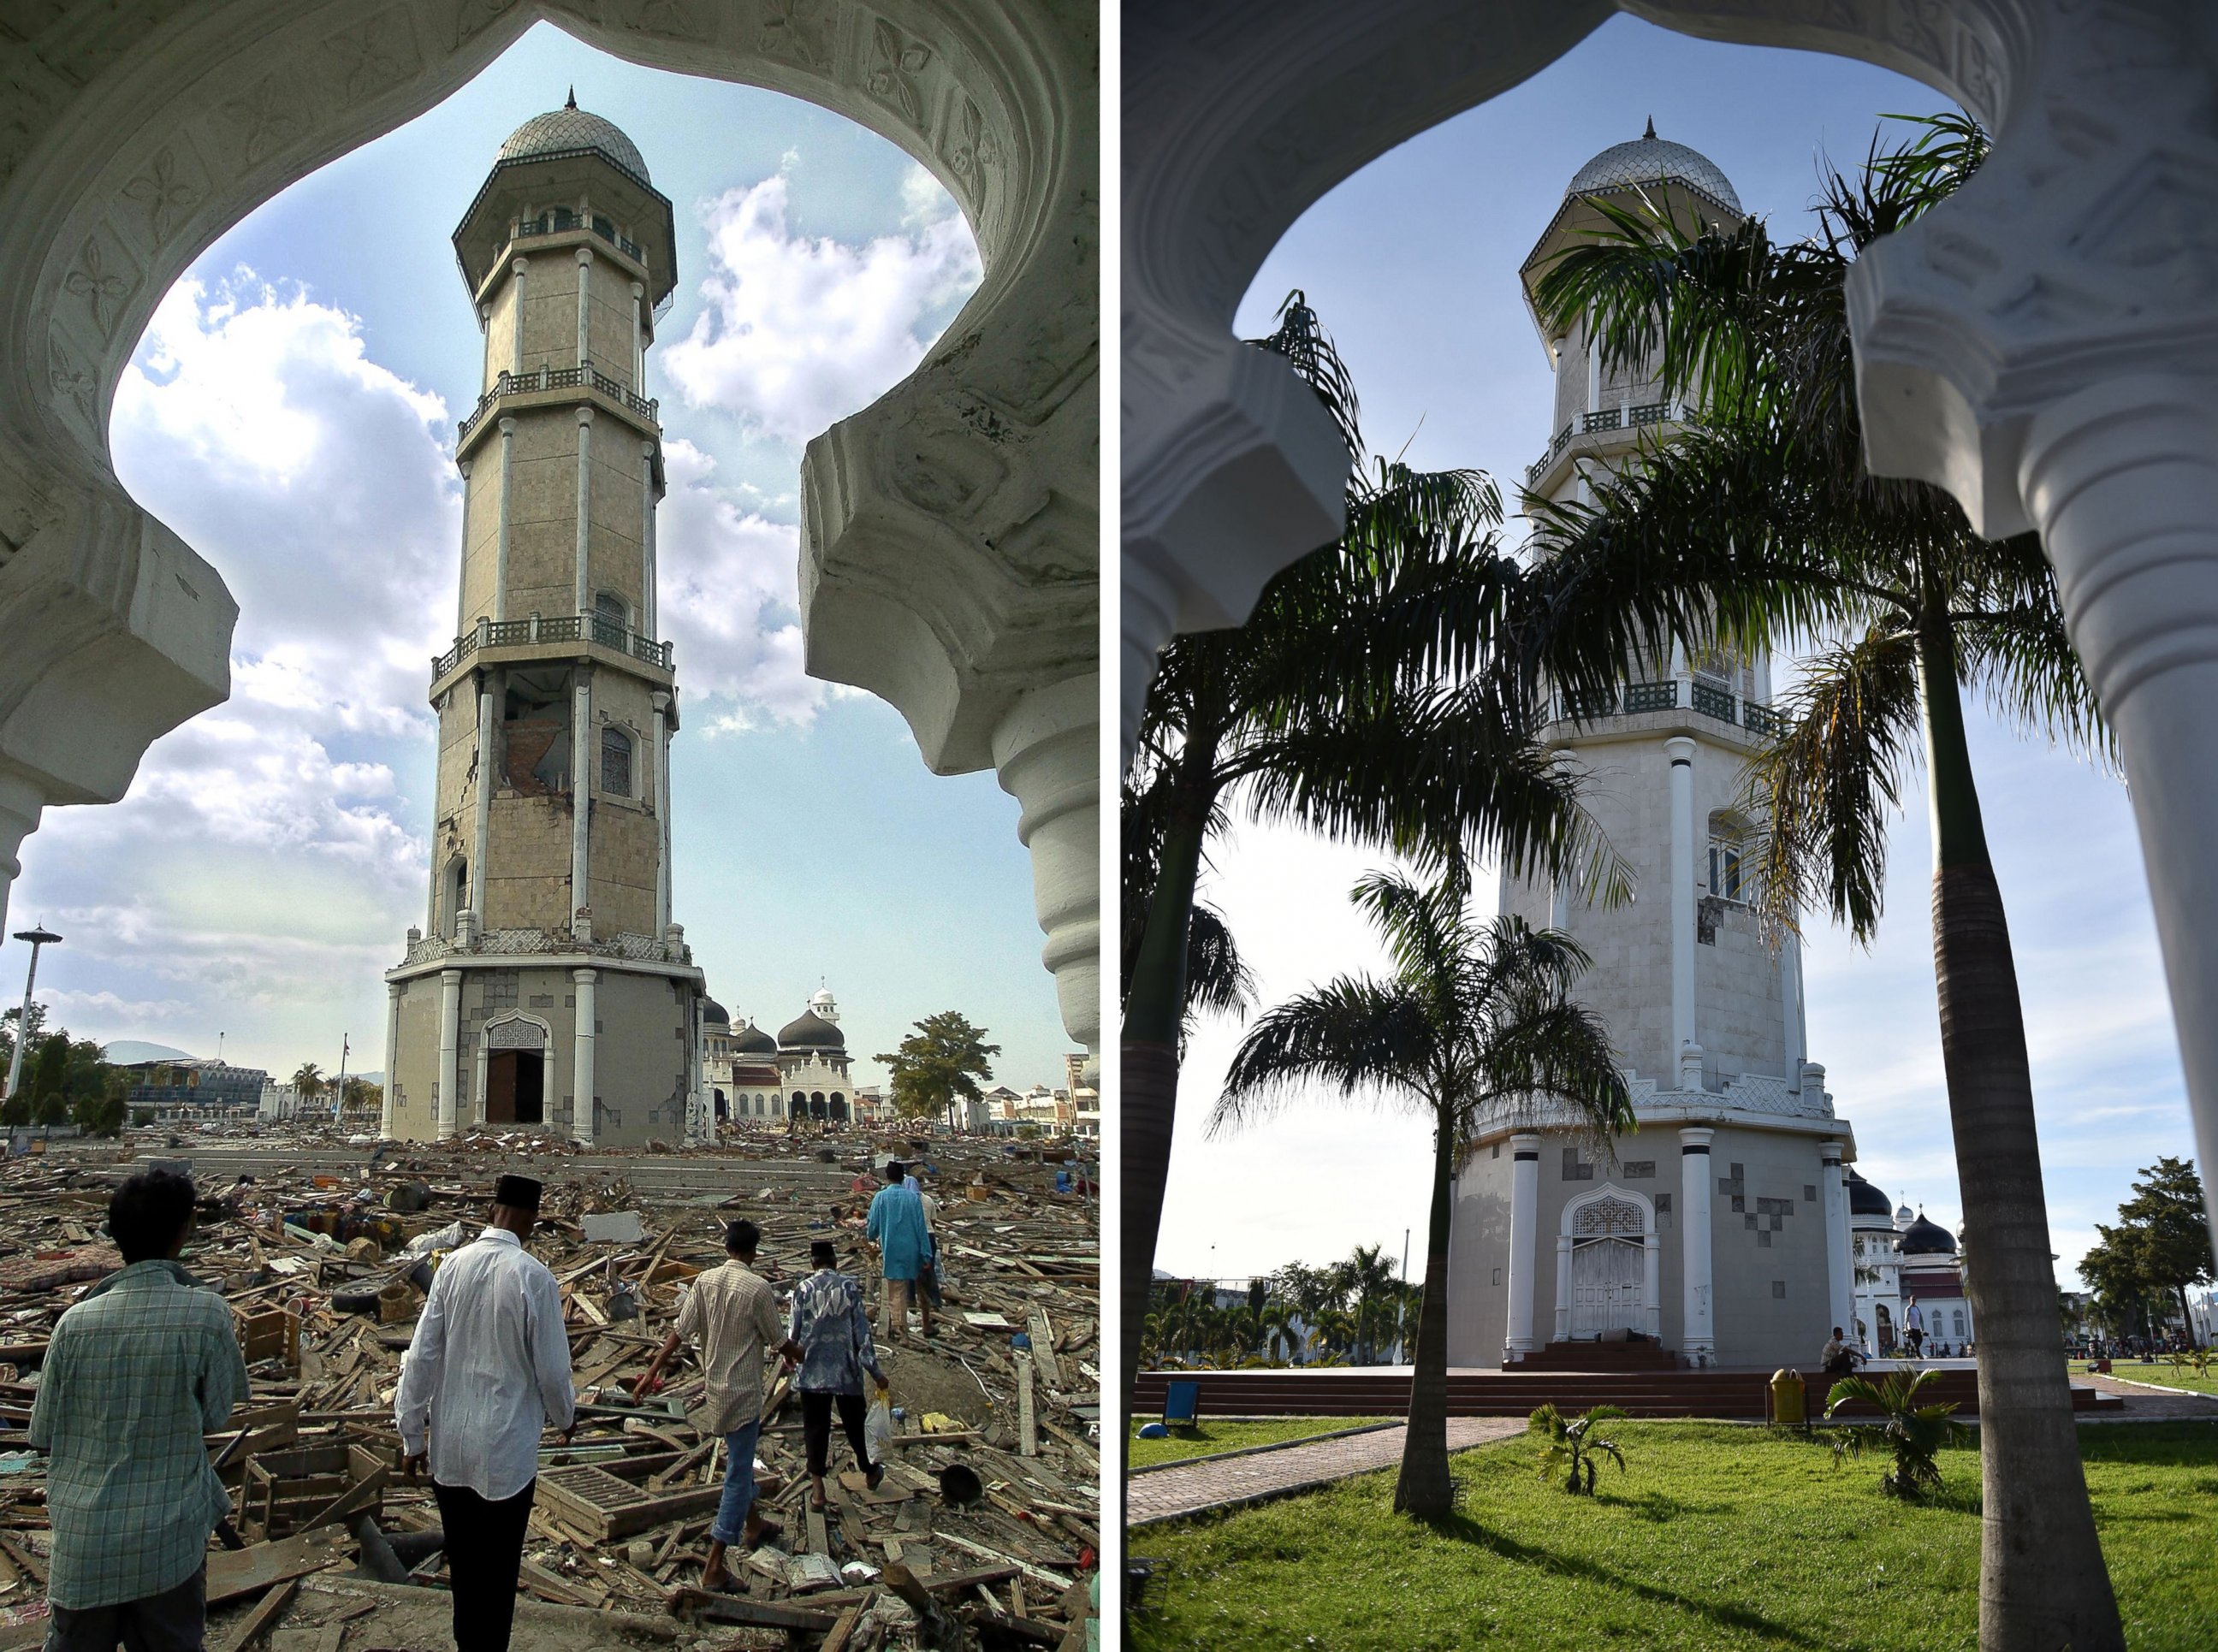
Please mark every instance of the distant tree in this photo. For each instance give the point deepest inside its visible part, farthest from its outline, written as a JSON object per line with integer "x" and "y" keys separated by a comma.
{"x": 362, "y": 1095}
{"x": 939, "y": 1064}
{"x": 46, "y": 1079}
{"x": 308, "y": 1082}
{"x": 2161, "y": 1244}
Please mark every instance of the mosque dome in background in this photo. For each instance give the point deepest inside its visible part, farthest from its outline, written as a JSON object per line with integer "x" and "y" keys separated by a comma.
{"x": 1646, "y": 160}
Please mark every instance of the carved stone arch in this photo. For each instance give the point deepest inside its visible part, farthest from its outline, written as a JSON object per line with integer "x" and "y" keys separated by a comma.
{"x": 519, "y": 1029}
{"x": 1600, "y": 1212}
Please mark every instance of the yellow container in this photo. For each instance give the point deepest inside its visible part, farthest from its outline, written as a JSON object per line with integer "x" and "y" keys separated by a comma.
{"x": 1787, "y": 1399}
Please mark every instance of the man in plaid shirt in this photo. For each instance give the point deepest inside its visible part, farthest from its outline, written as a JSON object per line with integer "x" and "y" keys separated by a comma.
{"x": 136, "y": 1373}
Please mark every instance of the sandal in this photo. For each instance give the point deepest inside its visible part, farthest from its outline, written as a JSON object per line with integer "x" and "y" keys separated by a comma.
{"x": 875, "y": 1476}
{"x": 816, "y": 1501}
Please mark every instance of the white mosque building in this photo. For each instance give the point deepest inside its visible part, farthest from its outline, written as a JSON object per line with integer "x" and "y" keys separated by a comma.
{"x": 1718, "y": 1232}
{"x": 802, "y": 1073}
{"x": 1901, "y": 1257}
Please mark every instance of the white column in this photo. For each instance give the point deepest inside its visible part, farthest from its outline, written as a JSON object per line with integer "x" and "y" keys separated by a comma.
{"x": 581, "y": 796}
{"x": 584, "y": 499}
{"x": 584, "y": 299}
{"x": 1524, "y": 1231}
{"x": 647, "y": 603}
{"x": 1681, "y": 751}
{"x": 1651, "y": 1281}
{"x": 1790, "y": 1006}
{"x": 450, "y": 1038}
{"x": 462, "y": 585}
{"x": 1046, "y": 752}
{"x": 516, "y": 353}
{"x": 1698, "y": 1332}
{"x": 482, "y": 813}
{"x": 582, "y": 1072}
{"x": 20, "y": 808}
{"x": 660, "y": 755}
{"x": 638, "y": 340}
{"x": 482, "y": 1061}
{"x": 1593, "y": 366}
{"x": 392, "y": 1056}
{"x": 1562, "y": 1287}
{"x": 500, "y": 528}
{"x": 1840, "y": 1268}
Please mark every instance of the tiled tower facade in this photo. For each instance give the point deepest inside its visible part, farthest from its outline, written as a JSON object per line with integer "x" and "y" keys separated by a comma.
{"x": 550, "y": 986}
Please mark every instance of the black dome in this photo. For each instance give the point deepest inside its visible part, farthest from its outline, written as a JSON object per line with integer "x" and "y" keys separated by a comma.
{"x": 753, "y": 1041}
{"x": 809, "y": 1030}
{"x": 715, "y": 1013}
{"x": 1865, "y": 1200}
{"x": 1923, "y": 1238}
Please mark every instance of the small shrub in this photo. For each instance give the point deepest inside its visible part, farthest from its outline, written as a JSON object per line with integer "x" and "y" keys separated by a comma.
{"x": 1574, "y": 1443}
{"x": 1914, "y": 1433}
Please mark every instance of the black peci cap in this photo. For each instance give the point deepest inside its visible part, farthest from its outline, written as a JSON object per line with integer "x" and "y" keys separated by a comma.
{"x": 518, "y": 1192}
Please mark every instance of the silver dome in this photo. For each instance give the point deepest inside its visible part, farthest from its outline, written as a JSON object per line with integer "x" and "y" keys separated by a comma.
{"x": 1644, "y": 160}
{"x": 571, "y": 127}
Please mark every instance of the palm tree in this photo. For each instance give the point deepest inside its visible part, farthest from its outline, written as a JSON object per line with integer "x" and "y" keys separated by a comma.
{"x": 308, "y": 1082}
{"x": 1358, "y": 701}
{"x": 1757, "y": 526}
{"x": 1476, "y": 1019}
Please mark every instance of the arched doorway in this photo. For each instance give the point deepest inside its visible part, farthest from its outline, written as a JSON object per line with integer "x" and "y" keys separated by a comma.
{"x": 839, "y": 1105}
{"x": 1606, "y": 1263}
{"x": 1886, "y": 1327}
{"x": 512, "y": 1071}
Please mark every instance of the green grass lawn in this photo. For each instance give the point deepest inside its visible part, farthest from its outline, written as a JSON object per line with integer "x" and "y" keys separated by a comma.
{"x": 1717, "y": 1537}
{"x": 1211, "y": 1435}
{"x": 2161, "y": 1374}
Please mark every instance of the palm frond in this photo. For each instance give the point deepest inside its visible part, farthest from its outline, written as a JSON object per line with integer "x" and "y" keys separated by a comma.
{"x": 1353, "y": 1034}
{"x": 1301, "y": 338}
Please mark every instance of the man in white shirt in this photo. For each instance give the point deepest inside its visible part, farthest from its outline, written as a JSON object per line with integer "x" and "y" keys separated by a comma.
{"x": 488, "y": 1369}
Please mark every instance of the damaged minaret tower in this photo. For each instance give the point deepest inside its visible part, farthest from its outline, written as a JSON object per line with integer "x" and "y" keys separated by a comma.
{"x": 550, "y": 986}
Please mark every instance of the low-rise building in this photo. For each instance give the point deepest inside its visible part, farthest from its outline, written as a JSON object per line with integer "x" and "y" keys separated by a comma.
{"x": 194, "y": 1089}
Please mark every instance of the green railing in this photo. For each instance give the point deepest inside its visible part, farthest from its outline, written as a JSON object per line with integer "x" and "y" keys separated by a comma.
{"x": 558, "y": 378}
{"x": 1651, "y": 696}
{"x": 597, "y": 628}
{"x": 1713, "y": 702}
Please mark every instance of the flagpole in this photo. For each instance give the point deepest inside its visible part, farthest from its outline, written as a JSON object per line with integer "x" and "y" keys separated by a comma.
{"x": 338, "y": 1096}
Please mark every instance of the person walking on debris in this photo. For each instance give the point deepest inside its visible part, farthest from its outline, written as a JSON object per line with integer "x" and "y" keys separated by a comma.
{"x": 732, "y": 1312}
{"x": 488, "y": 1369}
{"x": 834, "y": 1335}
{"x": 136, "y": 1373}
{"x": 896, "y": 1225}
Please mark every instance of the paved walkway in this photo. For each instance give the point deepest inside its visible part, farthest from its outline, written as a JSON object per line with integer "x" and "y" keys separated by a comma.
{"x": 1173, "y": 1493}
{"x": 2144, "y": 1404}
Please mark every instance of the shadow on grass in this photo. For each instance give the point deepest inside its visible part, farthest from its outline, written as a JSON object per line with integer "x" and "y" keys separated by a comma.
{"x": 1462, "y": 1528}
{"x": 1657, "y": 1507}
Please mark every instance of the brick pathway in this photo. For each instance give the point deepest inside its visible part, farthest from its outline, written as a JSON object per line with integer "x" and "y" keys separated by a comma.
{"x": 2142, "y": 1405}
{"x": 1172, "y": 1494}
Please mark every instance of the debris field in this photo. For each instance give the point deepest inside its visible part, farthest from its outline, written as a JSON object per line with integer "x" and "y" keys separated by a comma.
{"x": 983, "y": 1534}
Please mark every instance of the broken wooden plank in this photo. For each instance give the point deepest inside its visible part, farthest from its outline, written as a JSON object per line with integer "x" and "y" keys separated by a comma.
{"x": 737, "y": 1609}
{"x": 1027, "y": 1418}
{"x": 267, "y": 1610}
{"x": 592, "y": 1500}
{"x": 235, "y": 1572}
{"x": 1044, "y": 1350}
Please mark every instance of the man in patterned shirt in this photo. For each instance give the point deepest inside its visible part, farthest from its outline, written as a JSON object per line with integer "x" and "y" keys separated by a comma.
{"x": 136, "y": 1373}
{"x": 834, "y": 1335}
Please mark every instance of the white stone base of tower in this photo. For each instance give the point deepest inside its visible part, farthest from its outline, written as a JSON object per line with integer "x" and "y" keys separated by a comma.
{"x": 519, "y": 1045}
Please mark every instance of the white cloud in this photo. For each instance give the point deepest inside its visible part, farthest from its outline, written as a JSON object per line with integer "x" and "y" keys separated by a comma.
{"x": 799, "y": 331}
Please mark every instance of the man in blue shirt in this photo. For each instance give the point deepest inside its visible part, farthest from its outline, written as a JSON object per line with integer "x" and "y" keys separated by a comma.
{"x": 896, "y": 1225}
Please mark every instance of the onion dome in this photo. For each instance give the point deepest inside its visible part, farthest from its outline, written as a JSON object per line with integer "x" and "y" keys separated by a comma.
{"x": 753, "y": 1041}
{"x": 809, "y": 1030}
{"x": 1650, "y": 159}
{"x": 715, "y": 1013}
{"x": 1864, "y": 1199}
{"x": 1923, "y": 1238}
{"x": 568, "y": 129}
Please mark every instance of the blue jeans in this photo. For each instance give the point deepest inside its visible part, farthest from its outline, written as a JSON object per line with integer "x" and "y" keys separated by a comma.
{"x": 731, "y": 1522}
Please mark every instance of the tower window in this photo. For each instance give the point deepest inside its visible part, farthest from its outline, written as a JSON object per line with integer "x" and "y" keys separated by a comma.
{"x": 607, "y": 605}
{"x": 616, "y": 762}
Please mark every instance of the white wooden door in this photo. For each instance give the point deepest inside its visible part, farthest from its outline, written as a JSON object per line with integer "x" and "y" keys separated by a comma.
{"x": 1606, "y": 1286}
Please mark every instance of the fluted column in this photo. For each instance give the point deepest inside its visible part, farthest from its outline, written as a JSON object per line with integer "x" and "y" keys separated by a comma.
{"x": 392, "y": 1057}
{"x": 583, "y": 1074}
{"x": 660, "y": 755}
{"x": 648, "y": 605}
{"x": 638, "y": 340}
{"x": 20, "y": 808}
{"x": 500, "y": 528}
{"x": 1790, "y": 1004}
{"x": 581, "y": 804}
{"x": 585, "y": 500}
{"x": 1562, "y": 1287}
{"x": 1681, "y": 751}
{"x": 462, "y": 585}
{"x": 1698, "y": 1333}
{"x": 1524, "y": 1231}
{"x": 585, "y": 301}
{"x": 1651, "y": 1282}
{"x": 481, "y": 811}
{"x": 1840, "y": 1268}
{"x": 450, "y": 1038}
{"x": 516, "y": 345}
{"x": 1047, "y": 755}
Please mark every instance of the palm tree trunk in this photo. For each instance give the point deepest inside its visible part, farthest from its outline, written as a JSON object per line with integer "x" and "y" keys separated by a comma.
{"x": 1155, "y": 1012}
{"x": 2041, "y": 1578}
{"x": 1425, "y": 1488}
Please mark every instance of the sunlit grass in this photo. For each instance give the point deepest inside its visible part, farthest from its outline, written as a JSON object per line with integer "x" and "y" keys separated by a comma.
{"x": 1213, "y": 1434}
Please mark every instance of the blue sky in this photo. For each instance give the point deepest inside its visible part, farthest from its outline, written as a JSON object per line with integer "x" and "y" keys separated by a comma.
{"x": 1412, "y": 265}
{"x": 291, "y": 412}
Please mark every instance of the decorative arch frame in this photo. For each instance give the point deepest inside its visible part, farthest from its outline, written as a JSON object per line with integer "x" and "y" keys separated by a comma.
{"x": 487, "y": 1043}
{"x": 1610, "y": 1197}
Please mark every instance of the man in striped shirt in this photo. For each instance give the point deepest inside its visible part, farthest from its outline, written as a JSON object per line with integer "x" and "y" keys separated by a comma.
{"x": 136, "y": 1373}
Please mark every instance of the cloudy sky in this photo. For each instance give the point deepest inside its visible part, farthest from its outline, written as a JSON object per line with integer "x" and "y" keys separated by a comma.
{"x": 1412, "y": 264}
{"x": 291, "y": 412}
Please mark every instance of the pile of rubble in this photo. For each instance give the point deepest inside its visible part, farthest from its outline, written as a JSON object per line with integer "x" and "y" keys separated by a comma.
{"x": 983, "y": 1533}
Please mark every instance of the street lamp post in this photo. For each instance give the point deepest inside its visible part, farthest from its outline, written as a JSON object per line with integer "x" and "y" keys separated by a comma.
{"x": 38, "y": 937}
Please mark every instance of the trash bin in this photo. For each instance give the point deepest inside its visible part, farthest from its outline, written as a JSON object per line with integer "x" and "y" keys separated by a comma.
{"x": 1786, "y": 1410}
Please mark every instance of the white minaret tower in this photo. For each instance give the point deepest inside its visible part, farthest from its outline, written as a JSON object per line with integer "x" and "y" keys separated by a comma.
{"x": 550, "y": 986}
{"x": 1706, "y": 1014}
